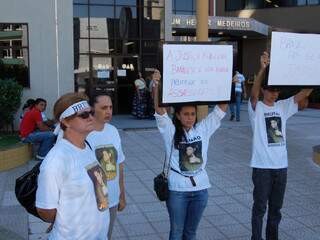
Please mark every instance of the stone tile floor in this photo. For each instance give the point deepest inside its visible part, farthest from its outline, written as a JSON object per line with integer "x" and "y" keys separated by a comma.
{"x": 227, "y": 215}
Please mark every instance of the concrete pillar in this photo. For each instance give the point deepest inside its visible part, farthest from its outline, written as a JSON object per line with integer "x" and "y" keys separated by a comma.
{"x": 202, "y": 36}
{"x": 168, "y": 20}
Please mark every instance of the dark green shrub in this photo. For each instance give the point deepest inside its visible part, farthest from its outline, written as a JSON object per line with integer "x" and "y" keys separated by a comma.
{"x": 10, "y": 100}
{"x": 315, "y": 96}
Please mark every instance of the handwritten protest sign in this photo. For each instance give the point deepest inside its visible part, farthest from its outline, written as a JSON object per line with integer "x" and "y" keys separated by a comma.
{"x": 295, "y": 59}
{"x": 196, "y": 73}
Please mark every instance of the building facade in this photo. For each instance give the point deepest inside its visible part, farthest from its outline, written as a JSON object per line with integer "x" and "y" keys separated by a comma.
{"x": 54, "y": 47}
{"x": 36, "y": 45}
{"x": 279, "y": 15}
{"x": 114, "y": 40}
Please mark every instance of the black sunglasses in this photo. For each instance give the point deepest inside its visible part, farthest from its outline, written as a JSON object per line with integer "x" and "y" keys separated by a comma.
{"x": 85, "y": 115}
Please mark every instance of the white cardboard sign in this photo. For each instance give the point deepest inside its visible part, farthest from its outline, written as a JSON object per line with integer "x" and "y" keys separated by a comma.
{"x": 295, "y": 59}
{"x": 196, "y": 73}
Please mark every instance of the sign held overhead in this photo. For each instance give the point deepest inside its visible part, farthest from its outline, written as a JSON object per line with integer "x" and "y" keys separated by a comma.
{"x": 295, "y": 59}
{"x": 196, "y": 73}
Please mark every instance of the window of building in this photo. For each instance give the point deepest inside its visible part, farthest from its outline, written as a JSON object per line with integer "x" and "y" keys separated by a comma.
{"x": 14, "y": 52}
{"x": 115, "y": 37}
{"x": 183, "y": 7}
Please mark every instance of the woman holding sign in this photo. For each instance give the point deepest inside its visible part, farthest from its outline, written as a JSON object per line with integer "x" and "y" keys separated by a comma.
{"x": 188, "y": 180}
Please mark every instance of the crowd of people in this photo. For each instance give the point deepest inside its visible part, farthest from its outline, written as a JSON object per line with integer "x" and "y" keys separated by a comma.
{"x": 81, "y": 184}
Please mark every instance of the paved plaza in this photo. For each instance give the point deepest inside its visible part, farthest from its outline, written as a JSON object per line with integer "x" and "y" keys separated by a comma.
{"x": 227, "y": 215}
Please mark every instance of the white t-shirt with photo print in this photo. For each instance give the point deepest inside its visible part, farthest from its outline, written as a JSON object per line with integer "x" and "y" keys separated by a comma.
{"x": 191, "y": 156}
{"x": 107, "y": 146}
{"x": 65, "y": 184}
{"x": 268, "y": 124}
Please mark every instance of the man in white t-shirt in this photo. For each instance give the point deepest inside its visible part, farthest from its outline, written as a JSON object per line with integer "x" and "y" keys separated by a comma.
{"x": 269, "y": 152}
{"x": 107, "y": 146}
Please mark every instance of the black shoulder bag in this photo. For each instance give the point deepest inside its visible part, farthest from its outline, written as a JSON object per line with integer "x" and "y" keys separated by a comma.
{"x": 160, "y": 182}
{"x": 26, "y": 188}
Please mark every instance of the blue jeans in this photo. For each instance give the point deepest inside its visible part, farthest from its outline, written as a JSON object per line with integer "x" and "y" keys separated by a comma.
{"x": 45, "y": 139}
{"x": 269, "y": 189}
{"x": 238, "y": 103}
{"x": 185, "y": 211}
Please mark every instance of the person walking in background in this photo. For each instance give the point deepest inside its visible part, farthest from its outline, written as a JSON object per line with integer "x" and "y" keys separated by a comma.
{"x": 105, "y": 140}
{"x": 186, "y": 143}
{"x": 269, "y": 159}
{"x": 34, "y": 130}
{"x": 239, "y": 87}
{"x": 72, "y": 188}
{"x": 139, "y": 104}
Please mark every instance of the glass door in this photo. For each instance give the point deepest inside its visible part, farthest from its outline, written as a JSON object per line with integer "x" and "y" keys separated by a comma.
{"x": 115, "y": 75}
{"x": 126, "y": 74}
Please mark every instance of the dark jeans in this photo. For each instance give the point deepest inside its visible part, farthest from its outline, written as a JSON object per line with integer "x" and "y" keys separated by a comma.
{"x": 269, "y": 188}
{"x": 45, "y": 139}
{"x": 238, "y": 106}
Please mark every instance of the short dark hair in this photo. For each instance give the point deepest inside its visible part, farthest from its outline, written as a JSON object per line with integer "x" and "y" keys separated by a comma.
{"x": 39, "y": 100}
{"x": 28, "y": 104}
{"x": 94, "y": 97}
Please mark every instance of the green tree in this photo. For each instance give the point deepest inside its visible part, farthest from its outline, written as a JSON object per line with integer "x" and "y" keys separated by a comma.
{"x": 10, "y": 100}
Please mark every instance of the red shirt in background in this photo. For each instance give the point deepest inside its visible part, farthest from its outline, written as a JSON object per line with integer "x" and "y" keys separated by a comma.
{"x": 29, "y": 122}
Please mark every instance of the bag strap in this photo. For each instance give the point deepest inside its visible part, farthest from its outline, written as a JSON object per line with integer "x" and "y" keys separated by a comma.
{"x": 193, "y": 182}
{"x": 169, "y": 162}
{"x": 88, "y": 144}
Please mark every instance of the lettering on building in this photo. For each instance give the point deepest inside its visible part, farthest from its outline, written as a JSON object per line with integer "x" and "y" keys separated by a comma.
{"x": 233, "y": 24}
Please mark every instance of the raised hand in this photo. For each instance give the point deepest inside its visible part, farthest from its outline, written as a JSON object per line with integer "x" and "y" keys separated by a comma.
{"x": 156, "y": 76}
{"x": 264, "y": 60}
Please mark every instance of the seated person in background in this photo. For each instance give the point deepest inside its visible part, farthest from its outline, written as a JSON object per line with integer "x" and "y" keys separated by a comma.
{"x": 33, "y": 129}
{"x": 26, "y": 107}
{"x": 49, "y": 122}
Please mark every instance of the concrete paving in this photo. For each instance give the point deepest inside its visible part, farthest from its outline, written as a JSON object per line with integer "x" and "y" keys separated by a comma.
{"x": 227, "y": 215}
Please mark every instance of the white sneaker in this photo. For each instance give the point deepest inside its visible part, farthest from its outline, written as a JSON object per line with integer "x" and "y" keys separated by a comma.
{"x": 39, "y": 158}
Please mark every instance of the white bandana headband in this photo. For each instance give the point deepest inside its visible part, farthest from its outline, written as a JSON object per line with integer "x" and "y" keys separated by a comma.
{"x": 74, "y": 108}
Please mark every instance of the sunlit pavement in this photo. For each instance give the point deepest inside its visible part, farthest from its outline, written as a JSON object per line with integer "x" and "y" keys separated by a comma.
{"x": 227, "y": 215}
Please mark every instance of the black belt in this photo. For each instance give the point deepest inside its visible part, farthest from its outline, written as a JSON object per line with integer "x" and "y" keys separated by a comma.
{"x": 190, "y": 177}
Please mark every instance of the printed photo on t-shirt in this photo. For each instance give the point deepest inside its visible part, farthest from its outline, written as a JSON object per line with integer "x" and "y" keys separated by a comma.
{"x": 190, "y": 157}
{"x": 107, "y": 156}
{"x": 274, "y": 132}
{"x": 99, "y": 181}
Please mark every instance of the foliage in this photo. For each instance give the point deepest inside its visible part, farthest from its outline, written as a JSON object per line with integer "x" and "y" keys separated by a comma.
{"x": 10, "y": 100}
{"x": 18, "y": 72}
{"x": 315, "y": 96}
{"x": 8, "y": 140}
